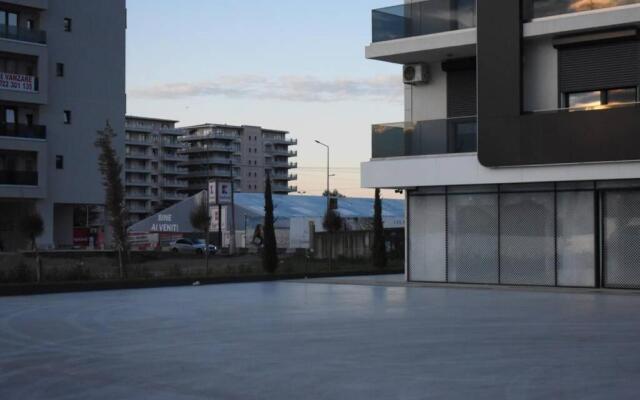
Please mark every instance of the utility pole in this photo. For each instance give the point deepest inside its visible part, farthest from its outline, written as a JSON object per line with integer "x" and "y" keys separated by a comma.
{"x": 232, "y": 239}
{"x": 328, "y": 175}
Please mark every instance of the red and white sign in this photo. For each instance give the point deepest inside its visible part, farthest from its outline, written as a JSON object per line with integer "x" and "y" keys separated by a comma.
{"x": 17, "y": 82}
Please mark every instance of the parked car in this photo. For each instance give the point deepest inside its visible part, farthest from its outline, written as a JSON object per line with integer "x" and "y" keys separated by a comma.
{"x": 191, "y": 246}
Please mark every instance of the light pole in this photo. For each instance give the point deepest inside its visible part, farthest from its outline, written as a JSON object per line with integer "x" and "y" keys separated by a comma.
{"x": 328, "y": 175}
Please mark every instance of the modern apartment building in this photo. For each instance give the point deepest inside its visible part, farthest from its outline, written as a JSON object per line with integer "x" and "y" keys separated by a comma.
{"x": 519, "y": 154}
{"x": 246, "y": 153}
{"x": 62, "y": 76}
{"x": 153, "y": 169}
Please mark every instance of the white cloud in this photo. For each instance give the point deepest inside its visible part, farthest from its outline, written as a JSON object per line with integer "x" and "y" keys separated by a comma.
{"x": 288, "y": 88}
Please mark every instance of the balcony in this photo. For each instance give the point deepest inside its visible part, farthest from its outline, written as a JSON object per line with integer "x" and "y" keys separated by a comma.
{"x": 422, "y": 18}
{"x": 546, "y": 8}
{"x": 282, "y": 140}
{"x": 284, "y": 188}
{"x": 209, "y": 136}
{"x": 445, "y": 136}
{"x": 23, "y": 131}
{"x": 19, "y": 178}
{"x": 207, "y": 148}
{"x": 23, "y": 35}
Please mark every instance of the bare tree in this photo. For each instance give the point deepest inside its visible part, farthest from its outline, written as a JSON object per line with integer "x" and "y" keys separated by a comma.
{"x": 111, "y": 170}
{"x": 32, "y": 226}
{"x": 201, "y": 220}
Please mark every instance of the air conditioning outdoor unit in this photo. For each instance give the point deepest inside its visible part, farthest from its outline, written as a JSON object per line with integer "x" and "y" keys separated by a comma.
{"x": 416, "y": 74}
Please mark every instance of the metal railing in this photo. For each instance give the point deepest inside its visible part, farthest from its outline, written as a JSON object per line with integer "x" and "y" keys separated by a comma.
{"x": 443, "y": 136}
{"x": 422, "y": 18}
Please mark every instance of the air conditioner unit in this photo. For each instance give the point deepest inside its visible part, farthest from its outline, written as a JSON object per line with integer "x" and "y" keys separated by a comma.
{"x": 416, "y": 74}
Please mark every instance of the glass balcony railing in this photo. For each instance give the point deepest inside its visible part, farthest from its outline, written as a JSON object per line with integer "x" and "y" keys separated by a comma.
{"x": 22, "y": 34}
{"x": 444, "y": 136}
{"x": 545, "y": 8}
{"x": 18, "y": 178}
{"x": 23, "y": 131}
{"x": 422, "y": 18}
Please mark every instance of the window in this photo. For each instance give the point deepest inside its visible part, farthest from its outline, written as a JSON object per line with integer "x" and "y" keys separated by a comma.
{"x": 10, "y": 115}
{"x": 30, "y": 24}
{"x": 29, "y": 118}
{"x": 67, "y": 25}
{"x": 67, "y": 117}
{"x": 59, "y": 162}
{"x": 60, "y": 69}
{"x": 598, "y": 99}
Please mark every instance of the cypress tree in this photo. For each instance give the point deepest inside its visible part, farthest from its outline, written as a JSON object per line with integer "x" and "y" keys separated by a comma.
{"x": 270, "y": 251}
{"x": 379, "y": 252}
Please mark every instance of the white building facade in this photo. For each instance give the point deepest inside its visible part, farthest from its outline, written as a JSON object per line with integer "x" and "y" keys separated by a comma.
{"x": 519, "y": 151}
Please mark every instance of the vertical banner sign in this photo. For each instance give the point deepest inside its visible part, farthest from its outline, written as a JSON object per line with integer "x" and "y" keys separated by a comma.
{"x": 17, "y": 82}
{"x": 219, "y": 193}
{"x": 216, "y": 219}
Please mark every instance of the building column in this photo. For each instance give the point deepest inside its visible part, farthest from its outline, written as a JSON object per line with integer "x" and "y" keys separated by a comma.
{"x": 45, "y": 209}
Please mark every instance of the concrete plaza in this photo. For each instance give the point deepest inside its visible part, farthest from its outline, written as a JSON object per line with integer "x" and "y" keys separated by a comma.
{"x": 319, "y": 340}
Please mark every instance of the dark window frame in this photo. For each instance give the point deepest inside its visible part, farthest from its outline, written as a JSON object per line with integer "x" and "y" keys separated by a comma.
{"x": 604, "y": 95}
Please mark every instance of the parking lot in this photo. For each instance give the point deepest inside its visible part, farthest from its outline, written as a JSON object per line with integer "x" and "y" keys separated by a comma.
{"x": 320, "y": 340}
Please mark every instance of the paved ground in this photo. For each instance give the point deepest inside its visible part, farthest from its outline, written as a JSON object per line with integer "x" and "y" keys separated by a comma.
{"x": 292, "y": 340}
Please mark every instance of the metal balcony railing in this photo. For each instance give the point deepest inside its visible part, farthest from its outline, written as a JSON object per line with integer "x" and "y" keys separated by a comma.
{"x": 23, "y": 131}
{"x": 443, "y": 136}
{"x": 422, "y": 18}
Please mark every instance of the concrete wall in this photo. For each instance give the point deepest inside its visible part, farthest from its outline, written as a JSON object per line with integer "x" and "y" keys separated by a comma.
{"x": 93, "y": 89}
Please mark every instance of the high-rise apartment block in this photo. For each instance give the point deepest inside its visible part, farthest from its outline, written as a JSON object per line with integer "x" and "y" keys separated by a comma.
{"x": 62, "y": 77}
{"x": 245, "y": 153}
{"x": 153, "y": 166}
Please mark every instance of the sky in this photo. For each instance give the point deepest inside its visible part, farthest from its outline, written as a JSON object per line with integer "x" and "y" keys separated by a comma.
{"x": 293, "y": 65}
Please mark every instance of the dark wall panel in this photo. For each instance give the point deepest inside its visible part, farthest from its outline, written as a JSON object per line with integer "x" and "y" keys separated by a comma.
{"x": 507, "y": 137}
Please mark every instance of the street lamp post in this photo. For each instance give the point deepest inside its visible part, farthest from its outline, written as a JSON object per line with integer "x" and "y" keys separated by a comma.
{"x": 328, "y": 175}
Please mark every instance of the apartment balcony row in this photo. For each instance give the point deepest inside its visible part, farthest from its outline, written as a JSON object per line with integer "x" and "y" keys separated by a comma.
{"x": 172, "y": 170}
{"x": 173, "y": 157}
{"x": 172, "y": 196}
{"x": 138, "y": 209}
{"x": 284, "y": 141}
{"x": 140, "y": 155}
{"x": 444, "y": 136}
{"x": 210, "y": 174}
{"x": 208, "y": 148}
{"x": 284, "y": 188}
{"x": 282, "y": 164}
{"x": 398, "y": 32}
{"x": 173, "y": 183}
{"x": 209, "y": 136}
{"x": 137, "y": 182}
{"x": 282, "y": 152}
{"x": 138, "y": 195}
{"x": 22, "y": 34}
{"x": 208, "y": 160}
{"x": 438, "y": 16}
{"x": 174, "y": 144}
{"x": 284, "y": 177}
{"x": 18, "y": 178}
{"x": 139, "y": 141}
{"x": 137, "y": 168}
{"x": 23, "y": 131}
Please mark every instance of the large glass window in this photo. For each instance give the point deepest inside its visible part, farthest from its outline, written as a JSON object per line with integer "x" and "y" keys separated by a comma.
{"x": 597, "y": 99}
